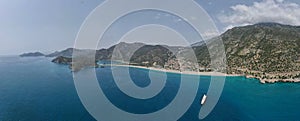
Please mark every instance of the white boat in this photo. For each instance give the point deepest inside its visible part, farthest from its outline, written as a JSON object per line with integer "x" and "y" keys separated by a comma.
{"x": 203, "y": 99}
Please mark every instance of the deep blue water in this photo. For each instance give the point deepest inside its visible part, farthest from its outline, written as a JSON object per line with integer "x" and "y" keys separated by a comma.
{"x": 36, "y": 89}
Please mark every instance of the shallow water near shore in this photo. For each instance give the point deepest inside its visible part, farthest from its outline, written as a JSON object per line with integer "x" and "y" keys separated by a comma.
{"x": 36, "y": 89}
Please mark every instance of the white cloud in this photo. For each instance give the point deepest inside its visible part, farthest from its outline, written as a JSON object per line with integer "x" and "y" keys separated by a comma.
{"x": 193, "y": 18}
{"x": 157, "y": 16}
{"x": 178, "y": 20}
{"x": 280, "y": 1}
{"x": 210, "y": 34}
{"x": 279, "y": 11}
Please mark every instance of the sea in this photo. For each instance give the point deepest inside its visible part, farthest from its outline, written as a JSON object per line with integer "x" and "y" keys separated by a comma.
{"x": 35, "y": 89}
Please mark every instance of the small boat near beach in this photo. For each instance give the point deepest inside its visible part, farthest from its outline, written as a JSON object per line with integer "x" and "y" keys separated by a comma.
{"x": 203, "y": 99}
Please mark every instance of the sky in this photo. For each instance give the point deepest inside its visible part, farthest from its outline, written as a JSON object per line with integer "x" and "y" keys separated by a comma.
{"x": 50, "y": 25}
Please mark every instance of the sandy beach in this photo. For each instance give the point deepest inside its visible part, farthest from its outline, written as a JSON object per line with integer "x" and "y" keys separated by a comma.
{"x": 263, "y": 81}
{"x": 176, "y": 71}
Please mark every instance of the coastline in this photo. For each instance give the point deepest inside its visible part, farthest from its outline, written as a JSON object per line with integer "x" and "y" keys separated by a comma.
{"x": 262, "y": 81}
{"x": 176, "y": 71}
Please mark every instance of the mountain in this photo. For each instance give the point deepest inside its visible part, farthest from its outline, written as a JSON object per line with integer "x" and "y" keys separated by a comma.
{"x": 133, "y": 53}
{"x": 33, "y": 54}
{"x": 151, "y": 55}
{"x": 198, "y": 43}
{"x": 66, "y": 53}
{"x": 120, "y": 51}
{"x": 62, "y": 60}
{"x": 267, "y": 51}
{"x": 265, "y": 47}
{"x": 128, "y": 52}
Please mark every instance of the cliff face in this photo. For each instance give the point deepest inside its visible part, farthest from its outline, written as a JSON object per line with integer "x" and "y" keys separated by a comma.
{"x": 62, "y": 60}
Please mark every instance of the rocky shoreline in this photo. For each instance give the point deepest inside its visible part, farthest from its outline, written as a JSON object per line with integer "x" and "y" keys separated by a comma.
{"x": 75, "y": 66}
{"x": 271, "y": 81}
{"x": 263, "y": 81}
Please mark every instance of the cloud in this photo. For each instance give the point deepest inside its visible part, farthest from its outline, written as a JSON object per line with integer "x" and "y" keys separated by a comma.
{"x": 279, "y": 11}
{"x": 210, "y": 34}
{"x": 178, "y": 20}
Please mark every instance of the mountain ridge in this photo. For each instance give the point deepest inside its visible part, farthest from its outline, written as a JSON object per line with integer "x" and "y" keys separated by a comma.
{"x": 269, "y": 52}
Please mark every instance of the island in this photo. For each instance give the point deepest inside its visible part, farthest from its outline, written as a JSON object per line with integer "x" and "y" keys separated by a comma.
{"x": 32, "y": 54}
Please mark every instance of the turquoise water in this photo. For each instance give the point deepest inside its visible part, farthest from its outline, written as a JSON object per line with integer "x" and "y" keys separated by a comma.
{"x": 36, "y": 89}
